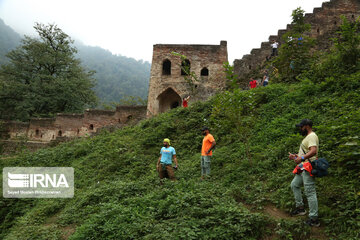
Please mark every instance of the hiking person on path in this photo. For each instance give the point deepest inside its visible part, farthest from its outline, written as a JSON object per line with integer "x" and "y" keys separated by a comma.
{"x": 265, "y": 80}
{"x": 185, "y": 101}
{"x": 308, "y": 151}
{"x": 164, "y": 164}
{"x": 274, "y": 47}
{"x": 208, "y": 144}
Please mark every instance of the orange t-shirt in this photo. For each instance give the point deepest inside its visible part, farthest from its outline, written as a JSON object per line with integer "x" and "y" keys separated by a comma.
{"x": 206, "y": 144}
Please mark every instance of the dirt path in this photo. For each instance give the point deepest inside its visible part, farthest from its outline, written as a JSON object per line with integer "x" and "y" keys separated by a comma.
{"x": 278, "y": 214}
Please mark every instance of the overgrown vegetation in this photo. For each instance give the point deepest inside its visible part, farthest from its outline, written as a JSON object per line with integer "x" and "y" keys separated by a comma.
{"x": 43, "y": 77}
{"x": 118, "y": 195}
{"x": 118, "y": 77}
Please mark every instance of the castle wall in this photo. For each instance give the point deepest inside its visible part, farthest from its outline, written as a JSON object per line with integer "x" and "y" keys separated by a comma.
{"x": 324, "y": 21}
{"x": 166, "y": 90}
{"x": 66, "y": 126}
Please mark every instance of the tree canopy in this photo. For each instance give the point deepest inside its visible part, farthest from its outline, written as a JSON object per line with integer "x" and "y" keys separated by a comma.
{"x": 43, "y": 77}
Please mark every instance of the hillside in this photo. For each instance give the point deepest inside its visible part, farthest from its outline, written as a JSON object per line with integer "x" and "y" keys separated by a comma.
{"x": 9, "y": 39}
{"x": 118, "y": 195}
{"x": 117, "y": 76}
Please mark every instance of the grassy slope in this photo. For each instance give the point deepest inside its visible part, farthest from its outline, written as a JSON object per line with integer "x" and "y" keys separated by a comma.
{"x": 118, "y": 194}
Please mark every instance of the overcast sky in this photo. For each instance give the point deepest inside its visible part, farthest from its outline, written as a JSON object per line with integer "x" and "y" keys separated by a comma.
{"x": 131, "y": 27}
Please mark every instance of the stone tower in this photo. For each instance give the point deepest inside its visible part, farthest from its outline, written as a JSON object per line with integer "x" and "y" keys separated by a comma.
{"x": 167, "y": 85}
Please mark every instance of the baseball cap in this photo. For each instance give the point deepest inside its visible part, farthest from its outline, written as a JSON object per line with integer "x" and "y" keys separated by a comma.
{"x": 204, "y": 128}
{"x": 304, "y": 122}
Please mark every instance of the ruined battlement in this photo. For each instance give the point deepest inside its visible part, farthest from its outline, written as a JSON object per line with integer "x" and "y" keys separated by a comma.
{"x": 167, "y": 85}
{"x": 66, "y": 126}
{"x": 324, "y": 21}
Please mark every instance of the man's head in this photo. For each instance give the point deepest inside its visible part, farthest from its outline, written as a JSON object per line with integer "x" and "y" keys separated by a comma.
{"x": 305, "y": 126}
{"x": 166, "y": 142}
{"x": 205, "y": 131}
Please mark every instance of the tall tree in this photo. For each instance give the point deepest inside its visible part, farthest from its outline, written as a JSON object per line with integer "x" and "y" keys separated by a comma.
{"x": 295, "y": 55}
{"x": 43, "y": 77}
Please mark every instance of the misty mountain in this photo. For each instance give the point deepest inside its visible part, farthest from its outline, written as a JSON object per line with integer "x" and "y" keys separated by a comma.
{"x": 9, "y": 39}
{"x": 117, "y": 76}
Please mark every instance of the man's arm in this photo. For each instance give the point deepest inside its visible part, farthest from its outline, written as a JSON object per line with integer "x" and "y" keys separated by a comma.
{"x": 308, "y": 155}
{"x": 212, "y": 146}
{"x": 158, "y": 162}
{"x": 175, "y": 160}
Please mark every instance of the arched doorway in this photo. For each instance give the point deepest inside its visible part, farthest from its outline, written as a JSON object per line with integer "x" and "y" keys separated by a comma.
{"x": 168, "y": 99}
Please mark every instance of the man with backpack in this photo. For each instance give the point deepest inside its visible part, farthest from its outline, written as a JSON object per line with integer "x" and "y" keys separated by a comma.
{"x": 308, "y": 152}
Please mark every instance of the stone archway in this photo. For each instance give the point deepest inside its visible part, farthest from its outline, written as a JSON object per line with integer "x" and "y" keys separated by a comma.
{"x": 168, "y": 99}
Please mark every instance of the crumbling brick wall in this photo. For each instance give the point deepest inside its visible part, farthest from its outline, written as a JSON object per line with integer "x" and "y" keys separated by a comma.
{"x": 65, "y": 126}
{"x": 324, "y": 21}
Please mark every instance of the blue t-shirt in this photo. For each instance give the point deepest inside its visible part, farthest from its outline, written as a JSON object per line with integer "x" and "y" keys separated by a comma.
{"x": 167, "y": 154}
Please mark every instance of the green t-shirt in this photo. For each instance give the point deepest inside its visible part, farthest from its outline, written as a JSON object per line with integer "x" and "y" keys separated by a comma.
{"x": 310, "y": 140}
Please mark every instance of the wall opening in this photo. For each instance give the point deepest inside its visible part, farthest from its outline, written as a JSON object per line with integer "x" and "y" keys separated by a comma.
{"x": 185, "y": 65}
{"x": 204, "y": 72}
{"x": 168, "y": 99}
{"x": 59, "y": 133}
{"x": 91, "y": 127}
{"x": 78, "y": 131}
{"x": 166, "y": 67}
{"x": 129, "y": 118}
{"x": 37, "y": 133}
{"x": 318, "y": 30}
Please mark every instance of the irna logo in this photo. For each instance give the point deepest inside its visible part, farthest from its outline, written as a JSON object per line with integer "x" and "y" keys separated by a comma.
{"x": 17, "y": 180}
{"x": 38, "y": 182}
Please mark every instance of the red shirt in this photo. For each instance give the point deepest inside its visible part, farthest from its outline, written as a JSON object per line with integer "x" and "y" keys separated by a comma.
{"x": 185, "y": 103}
{"x": 253, "y": 84}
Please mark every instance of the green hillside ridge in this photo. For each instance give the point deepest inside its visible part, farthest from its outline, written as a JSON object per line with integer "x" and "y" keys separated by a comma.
{"x": 118, "y": 195}
{"x": 117, "y": 190}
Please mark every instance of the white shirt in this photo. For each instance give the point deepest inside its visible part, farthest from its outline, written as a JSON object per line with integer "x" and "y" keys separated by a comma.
{"x": 275, "y": 45}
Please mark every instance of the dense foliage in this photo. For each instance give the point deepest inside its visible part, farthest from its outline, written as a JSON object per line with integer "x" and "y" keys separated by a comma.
{"x": 118, "y": 77}
{"x": 295, "y": 54}
{"x": 43, "y": 77}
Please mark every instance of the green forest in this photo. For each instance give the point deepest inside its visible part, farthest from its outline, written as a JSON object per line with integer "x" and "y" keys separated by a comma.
{"x": 248, "y": 196}
{"x": 117, "y": 77}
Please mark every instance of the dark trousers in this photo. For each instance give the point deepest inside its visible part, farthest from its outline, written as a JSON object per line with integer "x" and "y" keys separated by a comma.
{"x": 166, "y": 171}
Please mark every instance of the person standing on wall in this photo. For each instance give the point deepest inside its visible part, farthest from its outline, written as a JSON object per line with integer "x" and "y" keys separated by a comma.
{"x": 164, "y": 164}
{"x": 185, "y": 101}
{"x": 208, "y": 145}
{"x": 308, "y": 151}
{"x": 274, "y": 47}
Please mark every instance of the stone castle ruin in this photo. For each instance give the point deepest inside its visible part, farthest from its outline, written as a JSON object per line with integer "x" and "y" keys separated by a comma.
{"x": 324, "y": 22}
{"x": 167, "y": 85}
{"x": 40, "y": 132}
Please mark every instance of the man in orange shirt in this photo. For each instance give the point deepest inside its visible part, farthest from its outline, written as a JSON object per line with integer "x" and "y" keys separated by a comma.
{"x": 206, "y": 152}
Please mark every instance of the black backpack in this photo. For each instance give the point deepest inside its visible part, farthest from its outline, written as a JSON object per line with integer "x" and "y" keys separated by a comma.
{"x": 320, "y": 167}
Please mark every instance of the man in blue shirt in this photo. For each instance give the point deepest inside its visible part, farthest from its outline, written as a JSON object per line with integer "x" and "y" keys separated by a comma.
{"x": 164, "y": 164}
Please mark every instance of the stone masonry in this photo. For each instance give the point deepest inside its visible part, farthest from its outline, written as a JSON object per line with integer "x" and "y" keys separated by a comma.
{"x": 71, "y": 125}
{"x": 167, "y": 86}
{"x": 324, "y": 21}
